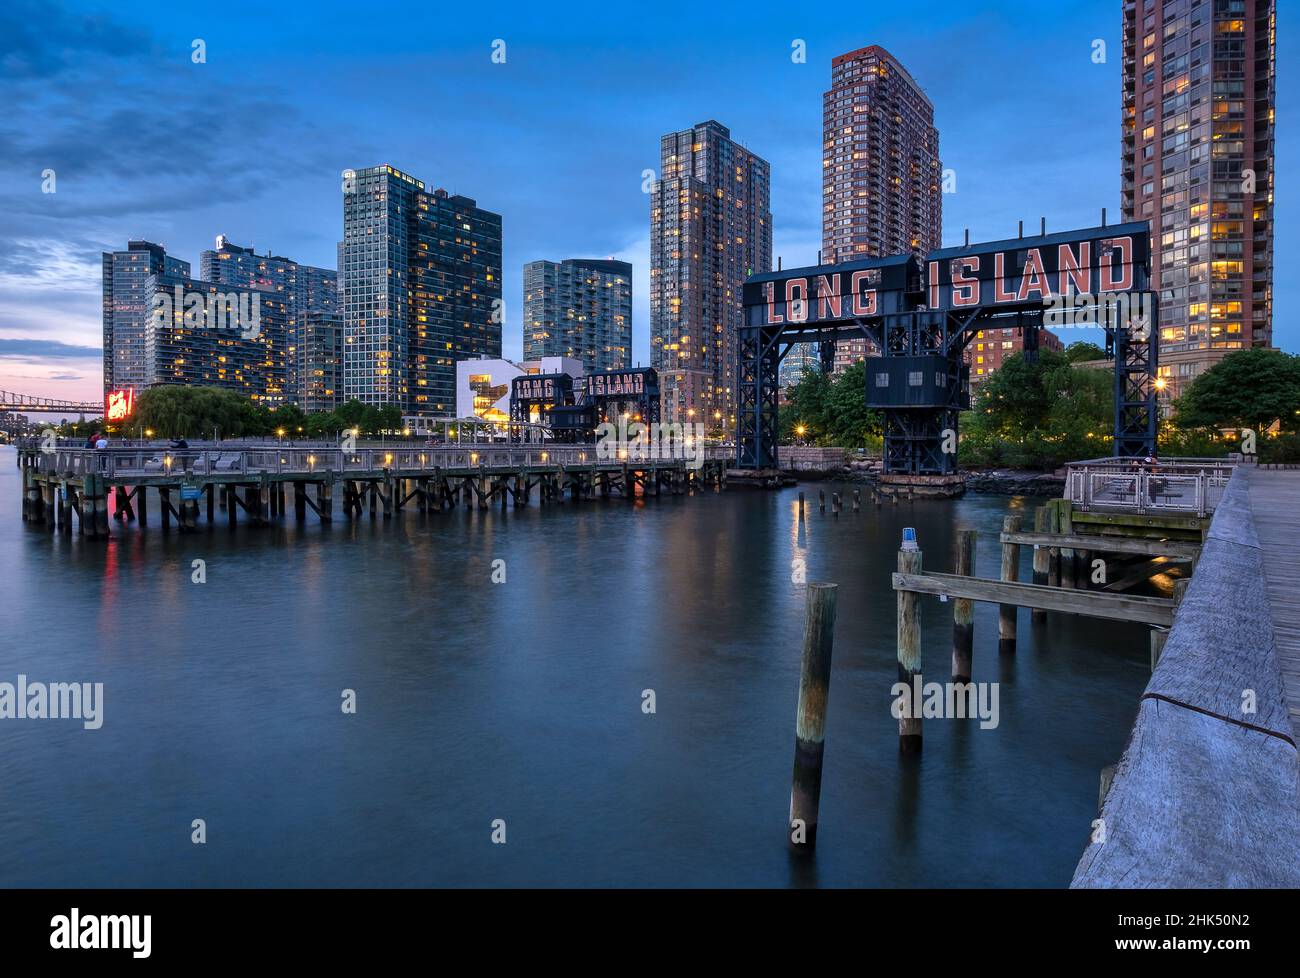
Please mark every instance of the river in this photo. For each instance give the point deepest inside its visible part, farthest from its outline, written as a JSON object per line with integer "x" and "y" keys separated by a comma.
{"x": 522, "y": 701}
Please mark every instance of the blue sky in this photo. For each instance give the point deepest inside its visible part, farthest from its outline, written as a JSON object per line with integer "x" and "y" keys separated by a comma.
{"x": 145, "y": 143}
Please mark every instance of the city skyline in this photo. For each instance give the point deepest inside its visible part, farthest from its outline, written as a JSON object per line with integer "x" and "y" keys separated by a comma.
{"x": 182, "y": 191}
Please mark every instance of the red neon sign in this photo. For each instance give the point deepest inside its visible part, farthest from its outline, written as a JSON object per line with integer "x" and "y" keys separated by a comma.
{"x": 118, "y": 405}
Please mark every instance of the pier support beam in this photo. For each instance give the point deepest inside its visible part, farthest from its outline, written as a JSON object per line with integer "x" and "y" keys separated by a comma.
{"x": 909, "y": 643}
{"x": 963, "y": 612}
{"x": 810, "y": 720}
{"x": 1041, "y": 559}
{"x": 1010, "y": 572}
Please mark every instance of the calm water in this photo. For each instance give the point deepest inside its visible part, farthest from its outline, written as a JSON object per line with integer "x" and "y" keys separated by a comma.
{"x": 522, "y": 701}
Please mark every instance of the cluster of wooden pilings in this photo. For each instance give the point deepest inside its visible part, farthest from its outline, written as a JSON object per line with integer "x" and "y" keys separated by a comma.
{"x": 1068, "y": 578}
{"x": 53, "y": 500}
{"x": 1065, "y": 580}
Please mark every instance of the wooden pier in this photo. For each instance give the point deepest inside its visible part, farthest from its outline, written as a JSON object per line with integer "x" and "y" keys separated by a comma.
{"x": 253, "y": 485}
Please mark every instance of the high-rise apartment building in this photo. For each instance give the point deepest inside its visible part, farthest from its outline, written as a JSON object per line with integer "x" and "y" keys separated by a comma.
{"x": 200, "y": 334}
{"x": 304, "y": 288}
{"x": 423, "y": 274}
{"x": 127, "y": 309}
{"x": 1197, "y": 161}
{"x": 710, "y": 229}
{"x": 991, "y": 348}
{"x": 579, "y": 308}
{"x": 882, "y": 180}
{"x": 316, "y": 360}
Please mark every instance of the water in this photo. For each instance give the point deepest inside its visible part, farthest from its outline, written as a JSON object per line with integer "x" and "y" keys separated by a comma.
{"x": 522, "y": 701}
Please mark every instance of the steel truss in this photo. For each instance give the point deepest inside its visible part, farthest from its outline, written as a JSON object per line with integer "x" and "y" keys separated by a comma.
{"x": 915, "y": 437}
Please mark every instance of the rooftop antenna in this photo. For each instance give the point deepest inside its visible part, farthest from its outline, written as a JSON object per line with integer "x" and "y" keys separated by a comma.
{"x": 1021, "y": 234}
{"x": 1103, "y": 217}
{"x": 1043, "y": 226}
{"x": 968, "y": 237}
{"x": 778, "y": 263}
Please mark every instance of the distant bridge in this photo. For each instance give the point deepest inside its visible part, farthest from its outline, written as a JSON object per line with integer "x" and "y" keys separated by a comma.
{"x": 27, "y": 404}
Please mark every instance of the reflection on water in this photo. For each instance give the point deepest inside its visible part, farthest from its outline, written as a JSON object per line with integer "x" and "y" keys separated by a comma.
{"x": 522, "y": 701}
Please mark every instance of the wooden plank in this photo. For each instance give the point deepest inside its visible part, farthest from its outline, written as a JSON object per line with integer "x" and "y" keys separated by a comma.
{"x": 1180, "y": 550}
{"x": 1273, "y": 497}
{"x": 1092, "y": 604}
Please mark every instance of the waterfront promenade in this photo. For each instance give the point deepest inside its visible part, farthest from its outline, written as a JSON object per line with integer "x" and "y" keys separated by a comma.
{"x": 1205, "y": 794}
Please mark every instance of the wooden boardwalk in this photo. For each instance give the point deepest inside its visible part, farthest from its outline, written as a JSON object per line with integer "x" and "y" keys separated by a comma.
{"x": 1275, "y": 504}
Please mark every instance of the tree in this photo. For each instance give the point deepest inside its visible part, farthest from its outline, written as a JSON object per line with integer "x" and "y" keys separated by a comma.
{"x": 832, "y": 410}
{"x": 1082, "y": 351}
{"x": 1246, "y": 389}
{"x": 1039, "y": 414}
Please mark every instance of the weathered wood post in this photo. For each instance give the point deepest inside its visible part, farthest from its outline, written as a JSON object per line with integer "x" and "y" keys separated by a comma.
{"x": 388, "y": 495}
{"x": 119, "y": 504}
{"x": 101, "y": 508}
{"x": 1010, "y": 572}
{"x": 1158, "y": 637}
{"x": 327, "y": 500}
{"x": 211, "y": 492}
{"x": 1037, "y": 615}
{"x": 963, "y": 611}
{"x": 65, "y": 509}
{"x": 165, "y": 506}
{"x": 801, "y": 502}
{"x": 821, "y": 500}
{"x": 909, "y": 644}
{"x": 1065, "y": 525}
{"x": 857, "y": 500}
{"x": 1053, "y": 553}
{"x": 835, "y": 503}
{"x": 300, "y": 501}
{"x": 810, "y": 720}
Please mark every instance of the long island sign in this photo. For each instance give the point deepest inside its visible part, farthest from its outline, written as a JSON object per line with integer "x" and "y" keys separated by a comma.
{"x": 1068, "y": 270}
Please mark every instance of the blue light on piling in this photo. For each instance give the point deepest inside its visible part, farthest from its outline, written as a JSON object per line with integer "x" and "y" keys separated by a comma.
{"x": 909, "y": 538}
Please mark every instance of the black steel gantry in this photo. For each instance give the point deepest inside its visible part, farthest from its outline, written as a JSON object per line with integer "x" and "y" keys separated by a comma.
{"x": 920, "y": 312}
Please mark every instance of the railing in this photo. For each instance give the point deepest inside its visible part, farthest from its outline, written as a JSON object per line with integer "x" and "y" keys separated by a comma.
{"x": 67, "y": 462}
{"x": 1168, "y": 485}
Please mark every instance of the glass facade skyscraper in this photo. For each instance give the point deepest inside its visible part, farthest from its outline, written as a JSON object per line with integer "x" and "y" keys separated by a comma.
{"x": 304, "y": 288}
{"x": 423, "y": 290}
{"x": 579, "y": 308}
{"x": 127, "y": 310}
{"x": 710, "y": 229}
{"x": 1197, "y": 162}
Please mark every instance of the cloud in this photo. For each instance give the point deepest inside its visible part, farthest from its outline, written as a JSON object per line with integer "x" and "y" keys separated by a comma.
{"x": 30, "y": 349}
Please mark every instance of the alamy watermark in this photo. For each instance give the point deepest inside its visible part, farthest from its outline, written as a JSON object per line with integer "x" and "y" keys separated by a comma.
{"x": 1131, "y": 311}
{"x": 239, "y": 312}
{"x": 654, "y": 442}
{"x": 53, "y": 701}
{"x": 946, "y": 701}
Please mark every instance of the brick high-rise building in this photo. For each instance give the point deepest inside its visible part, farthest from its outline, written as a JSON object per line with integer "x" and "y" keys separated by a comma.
{"x": 992, "y": 347}
{"x": 881, "y": 175}
{"x": 710, "y": 229}
{"x": 1197, "y": 154}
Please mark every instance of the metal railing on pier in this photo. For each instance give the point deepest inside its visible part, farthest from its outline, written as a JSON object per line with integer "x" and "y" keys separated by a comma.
{"x": 1191, "y": 486}
{"x": 128, "y": 462}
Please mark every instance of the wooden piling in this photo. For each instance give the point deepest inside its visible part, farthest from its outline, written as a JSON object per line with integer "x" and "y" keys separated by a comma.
{"x": 1041, "y": 558}
{"x": 909, "y": 643}
{"x": 801, "y": 502}
{"x": 327, "y": 501}
{"x": 810, "y": 720}
{"x": 835, "y": 503}
{"x": 821, "y": 500}
{"x": 1054, "y": 553}
{"x": 963, "y": 611}
{"x": 1158, "y": 637}
{"x": 857, "y": 500}
{"x": 1010, "y": 572}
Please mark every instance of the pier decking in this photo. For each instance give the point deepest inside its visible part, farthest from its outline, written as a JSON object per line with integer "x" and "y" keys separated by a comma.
{"x": 1205, "y": 794}
{"x": 1275, "y": 506}
{"x": 60, "y": 481}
